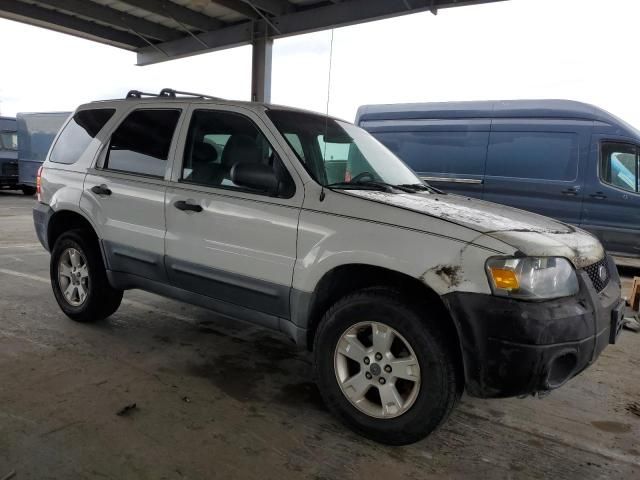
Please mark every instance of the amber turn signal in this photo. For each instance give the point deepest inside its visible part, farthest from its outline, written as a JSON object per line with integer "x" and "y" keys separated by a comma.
{"x": 504, "y": 278}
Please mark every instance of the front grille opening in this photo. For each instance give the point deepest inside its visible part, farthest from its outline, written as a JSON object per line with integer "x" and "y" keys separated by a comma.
{"x": 599, "y": 274}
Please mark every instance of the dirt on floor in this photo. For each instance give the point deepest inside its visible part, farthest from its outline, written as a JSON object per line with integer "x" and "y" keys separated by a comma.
{"x": 163, "y": 390}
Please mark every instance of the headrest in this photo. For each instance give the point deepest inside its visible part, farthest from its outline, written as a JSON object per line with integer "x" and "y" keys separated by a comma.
{"x": 241, "y": 148}
{"x": 204, "y": 153}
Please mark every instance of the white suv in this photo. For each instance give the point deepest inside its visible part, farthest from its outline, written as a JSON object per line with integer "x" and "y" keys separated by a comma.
{"x": 305, "y": 224}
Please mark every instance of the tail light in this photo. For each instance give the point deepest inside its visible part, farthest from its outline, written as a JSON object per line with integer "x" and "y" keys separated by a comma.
{"x": 39, "y": 182}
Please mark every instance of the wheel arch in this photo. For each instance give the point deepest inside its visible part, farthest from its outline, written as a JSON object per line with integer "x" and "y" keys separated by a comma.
{"x": 345, "y": 279}
{"x": 64, "y": 220}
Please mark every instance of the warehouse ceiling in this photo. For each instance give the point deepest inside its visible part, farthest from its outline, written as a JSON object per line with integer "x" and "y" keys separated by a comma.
{"x": 160, "y": 30}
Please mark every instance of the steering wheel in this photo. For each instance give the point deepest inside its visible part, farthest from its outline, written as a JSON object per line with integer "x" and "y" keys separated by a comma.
{"x": 361, "y": 176}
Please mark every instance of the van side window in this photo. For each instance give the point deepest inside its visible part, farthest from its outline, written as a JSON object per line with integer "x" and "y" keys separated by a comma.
{"x": 141, "y": 143}
{"x": 535, "y": 155}
{"x": 439, "y": 152}
{"x": 217, "y": 141}
{"x": 619, "y": 165}
{"x": 78, "y": 133}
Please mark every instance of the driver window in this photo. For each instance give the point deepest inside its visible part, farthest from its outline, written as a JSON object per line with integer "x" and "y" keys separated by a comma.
{"x": 619, "y": 166}
{"x": 219, "y": 140}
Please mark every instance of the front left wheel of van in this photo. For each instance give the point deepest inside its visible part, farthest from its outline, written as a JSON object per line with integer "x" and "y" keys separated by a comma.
{"x": 79, "y": 279}
{"x": 384, "y": 368}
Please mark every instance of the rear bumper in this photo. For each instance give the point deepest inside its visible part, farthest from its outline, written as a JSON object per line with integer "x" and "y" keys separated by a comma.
{"x": 512, "y": 347}
{"x": 41, "y": 216}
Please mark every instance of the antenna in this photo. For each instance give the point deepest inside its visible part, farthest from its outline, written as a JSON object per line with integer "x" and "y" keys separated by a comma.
{"x": 326, "y": 118}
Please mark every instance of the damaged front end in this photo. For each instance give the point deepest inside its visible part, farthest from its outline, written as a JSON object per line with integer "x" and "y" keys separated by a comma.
{"x": 514, "y": 347}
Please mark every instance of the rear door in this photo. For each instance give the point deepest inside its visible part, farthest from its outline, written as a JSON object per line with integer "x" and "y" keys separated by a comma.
{"x": 125, "y": 193}
{"x": 450, "y": 154}
{"x": 536, "y": 165}
{"x": 612, "y": 197}
{"x": 235, "y": 245}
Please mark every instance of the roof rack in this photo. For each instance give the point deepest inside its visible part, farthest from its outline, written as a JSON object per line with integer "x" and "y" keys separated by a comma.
{"x": 168, "y": 93}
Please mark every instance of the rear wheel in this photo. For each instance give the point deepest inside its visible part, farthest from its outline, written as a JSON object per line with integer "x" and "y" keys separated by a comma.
{"x": 384, "y": 369}
{"x": 79, "y": 279}
{"x": 29, "y": 191}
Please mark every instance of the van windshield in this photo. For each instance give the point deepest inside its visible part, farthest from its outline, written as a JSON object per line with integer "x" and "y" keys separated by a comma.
{"x": 340, "y": 155}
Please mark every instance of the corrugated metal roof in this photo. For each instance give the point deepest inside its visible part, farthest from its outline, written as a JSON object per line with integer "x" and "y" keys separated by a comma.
{"x": 164, "y": 29}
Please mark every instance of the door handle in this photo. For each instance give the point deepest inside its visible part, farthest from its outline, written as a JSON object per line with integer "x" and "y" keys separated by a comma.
{"x": 598, "y": 195}
{"x": 187, "y": 206}
{"x": 570, "y": 191}
{"x": 101, "y": 190}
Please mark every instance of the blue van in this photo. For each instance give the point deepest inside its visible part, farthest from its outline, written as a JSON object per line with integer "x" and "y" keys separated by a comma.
{"x": 8, "y": 153}
{"x": 560, "y": 158}
{"x": 36, "y": 132}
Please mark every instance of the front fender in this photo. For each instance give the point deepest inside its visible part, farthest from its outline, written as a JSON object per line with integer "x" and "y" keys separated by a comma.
{"x": 444, "y": 264}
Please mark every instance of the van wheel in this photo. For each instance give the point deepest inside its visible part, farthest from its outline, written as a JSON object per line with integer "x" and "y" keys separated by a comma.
{"x": 383, "y": 367}
{"x": 29, "y": 191}
{"x": 79, "y": 279}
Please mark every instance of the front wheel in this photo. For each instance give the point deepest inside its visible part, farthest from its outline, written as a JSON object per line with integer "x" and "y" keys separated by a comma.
{"x": 79, "y": 279}
{"x": 384, "y": 368}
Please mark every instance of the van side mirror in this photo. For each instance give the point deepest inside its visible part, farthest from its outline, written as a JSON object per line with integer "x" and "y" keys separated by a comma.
{"x": 256, "y": 176}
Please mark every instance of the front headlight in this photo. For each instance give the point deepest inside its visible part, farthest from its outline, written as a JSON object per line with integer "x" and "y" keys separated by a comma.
{"x": 532, "y": 278}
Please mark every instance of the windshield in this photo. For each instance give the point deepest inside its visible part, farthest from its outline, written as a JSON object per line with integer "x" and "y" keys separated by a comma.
{"x": 8, "y": 141}
{"x": 339, "y": 154}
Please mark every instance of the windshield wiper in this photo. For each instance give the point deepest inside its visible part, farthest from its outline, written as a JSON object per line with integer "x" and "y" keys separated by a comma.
{"x": 382, "y": 186}
{"x": 362, "y": 185}
{"x": 420, "y": 186}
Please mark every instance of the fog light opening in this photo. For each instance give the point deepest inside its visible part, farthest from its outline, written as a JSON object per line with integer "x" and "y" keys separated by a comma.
{"x": 561, "y": 368}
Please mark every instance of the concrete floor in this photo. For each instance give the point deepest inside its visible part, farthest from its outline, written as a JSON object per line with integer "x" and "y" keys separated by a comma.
{"x": 220, "y": 399}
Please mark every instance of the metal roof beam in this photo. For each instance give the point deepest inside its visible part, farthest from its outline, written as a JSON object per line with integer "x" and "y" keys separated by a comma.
{"x": 358, "y": 11}
{"x": 115, "y": 18}
{"x": 178, "y": 13}
{"x": 52, "y": 20}
{"x": 238, "y": 6}
{"x": 274, "y": 7}
{"x": 226, "y": 37}
{"x": 302, "y": 21}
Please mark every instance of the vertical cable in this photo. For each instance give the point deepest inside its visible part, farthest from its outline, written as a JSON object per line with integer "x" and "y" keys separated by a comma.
{"x": 326, "y": 120}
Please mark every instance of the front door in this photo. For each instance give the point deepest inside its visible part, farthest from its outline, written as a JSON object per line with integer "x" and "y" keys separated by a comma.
{"x": 612, "y": 198}
{"x": 125, "y": 192}
{"x": 231, "y": 243}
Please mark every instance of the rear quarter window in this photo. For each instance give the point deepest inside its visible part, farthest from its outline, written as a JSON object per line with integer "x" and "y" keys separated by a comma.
{"x": 78, "y": 133}
{"x": 535, "y": 155}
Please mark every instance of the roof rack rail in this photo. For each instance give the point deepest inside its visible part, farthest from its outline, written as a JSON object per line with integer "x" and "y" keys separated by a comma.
{"x": 139, "y": 94}
{"x": 168, "y": 93}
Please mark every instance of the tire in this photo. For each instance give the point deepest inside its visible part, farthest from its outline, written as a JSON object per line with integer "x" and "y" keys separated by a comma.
{"x": 100, "y": 299}
{"x": 28, "y": 191}
{"x": 440, "y": 382}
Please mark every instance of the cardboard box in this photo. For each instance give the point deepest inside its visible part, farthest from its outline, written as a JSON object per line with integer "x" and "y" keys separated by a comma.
{"x": 634, "y": 299}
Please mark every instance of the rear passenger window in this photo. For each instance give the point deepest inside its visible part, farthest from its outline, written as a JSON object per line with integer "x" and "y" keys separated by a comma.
{"x": 141, "y": 143}
{"x": 77, "y": 134}
{"x": 536, "y": 155}
{"x": 619, "y": 165}
{"x": 439, "y": 152}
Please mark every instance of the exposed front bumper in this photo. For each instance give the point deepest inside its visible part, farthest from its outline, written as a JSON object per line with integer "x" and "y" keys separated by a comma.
{"x": 513, "y": 347}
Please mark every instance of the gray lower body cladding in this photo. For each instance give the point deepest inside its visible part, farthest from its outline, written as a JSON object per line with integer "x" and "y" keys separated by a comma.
{"x": 41, "y": 216}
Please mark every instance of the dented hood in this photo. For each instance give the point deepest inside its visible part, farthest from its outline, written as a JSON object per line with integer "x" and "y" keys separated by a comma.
{"x": 532, "y": 234}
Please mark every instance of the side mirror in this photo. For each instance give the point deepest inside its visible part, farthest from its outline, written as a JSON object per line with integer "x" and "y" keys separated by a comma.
{"x": 256, "y": 176}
